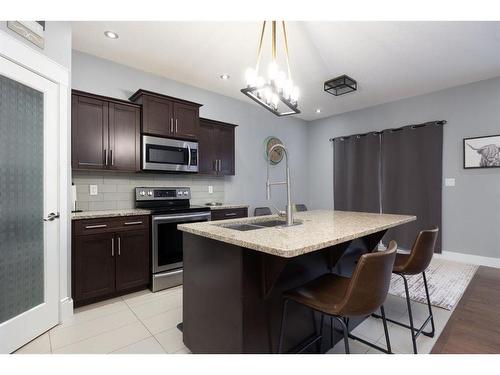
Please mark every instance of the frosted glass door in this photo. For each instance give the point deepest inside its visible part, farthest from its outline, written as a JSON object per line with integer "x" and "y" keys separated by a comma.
{"x": 21, "y": 198}
{"x": 28, "y": 187}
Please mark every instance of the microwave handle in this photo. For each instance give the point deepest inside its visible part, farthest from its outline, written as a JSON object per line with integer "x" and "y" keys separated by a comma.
{"x": 189, "y": 155}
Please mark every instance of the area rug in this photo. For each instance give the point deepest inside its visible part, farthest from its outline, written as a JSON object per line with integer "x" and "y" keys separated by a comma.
{"x": 446, "y": 280}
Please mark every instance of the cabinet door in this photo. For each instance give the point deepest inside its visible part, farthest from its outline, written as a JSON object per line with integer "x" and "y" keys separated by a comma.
{"x": 124, "y": 137}
{"x": 224, "y": 140}
{"x": 93, "y": 266}
{"x": 186, "y": 121}
{"x": 89, "y": 133}
{"x": 157, "y": 116}
{"x": 206, "y": 149}
{"x": 132, "y": 259}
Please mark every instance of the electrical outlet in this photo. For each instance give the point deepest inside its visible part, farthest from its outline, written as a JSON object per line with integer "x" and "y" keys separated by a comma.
{"x": 210, "y": 189}
{"x": 449, "y": 182}
{"x": 93, "y": 189}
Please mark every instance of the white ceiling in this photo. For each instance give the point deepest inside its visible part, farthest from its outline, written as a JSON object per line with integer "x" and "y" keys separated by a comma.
{"x": 390, "y": 60}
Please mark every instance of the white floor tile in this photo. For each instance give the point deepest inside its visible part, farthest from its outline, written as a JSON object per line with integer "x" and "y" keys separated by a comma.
{"x": 145, "y": 296}
{"x": 158, "y": 305}
{"x": 184, "y": 350}
{"x": 40, "y": 345}
{"x": 94, "y": 311}
{"x": 170, "y": 340}
{"x": 355, "y": 347}
{"x": 163, "y": 321}
{"x": 146, "y": 346}
{"x": 68, "y": 335}
{"x": 109, "y": 341}
{"x": 371, "y": 329}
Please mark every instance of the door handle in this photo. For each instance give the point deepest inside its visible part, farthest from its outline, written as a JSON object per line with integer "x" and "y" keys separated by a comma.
{"x": 51, "y": 217}
{"x": 119, "y": 246}
{"x": 106, "y": 157}
{"x": 111, "y": 157}
{"x": 176, "y": 125}
{"x": 171, "y": 125}
{"x": 112, "y": 246}
{"x": 189, "y": 152}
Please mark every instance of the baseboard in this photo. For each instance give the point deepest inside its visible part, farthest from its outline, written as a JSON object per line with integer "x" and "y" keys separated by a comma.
{"x": 65, "y": 309}
{"x": 468, "y": 258}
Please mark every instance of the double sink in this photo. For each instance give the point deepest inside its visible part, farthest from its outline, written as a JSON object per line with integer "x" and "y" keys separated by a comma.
{"x": 244, "y": 227}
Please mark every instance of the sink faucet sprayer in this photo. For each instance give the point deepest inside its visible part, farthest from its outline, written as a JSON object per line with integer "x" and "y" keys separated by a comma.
{"x": 289, "y": 211}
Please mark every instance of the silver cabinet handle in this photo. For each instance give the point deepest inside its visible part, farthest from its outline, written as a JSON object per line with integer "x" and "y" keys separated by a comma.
{"x": 106, "y": 157}
{"x": 119, "y": 246}
{"x": 96, "y": 226}
{"x": 171, "y": 125}
{"x": 231, "y": 214}
{"x": 133, "y": 223}
{"x": 111, "y": 157}
{"x": 176, "y": 125}
{"x": 112, "y": 246}
{"x": 52, "y": 216}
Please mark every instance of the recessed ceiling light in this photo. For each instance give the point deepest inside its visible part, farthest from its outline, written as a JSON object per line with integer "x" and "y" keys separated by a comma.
{"x": 225, "y": 76}
{"x": 111, "y": 34}
{"x": 318, "y": 110}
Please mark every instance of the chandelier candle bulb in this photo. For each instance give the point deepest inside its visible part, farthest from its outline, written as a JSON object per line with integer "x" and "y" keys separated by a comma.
{"x": 276, "y": 91}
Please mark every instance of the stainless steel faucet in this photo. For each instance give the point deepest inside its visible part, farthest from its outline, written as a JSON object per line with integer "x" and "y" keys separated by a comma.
{"x": 289, "y": 211}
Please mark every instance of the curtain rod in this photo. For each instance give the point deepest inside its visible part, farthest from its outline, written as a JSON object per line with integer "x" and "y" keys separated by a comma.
{"x": 438, "y": 122}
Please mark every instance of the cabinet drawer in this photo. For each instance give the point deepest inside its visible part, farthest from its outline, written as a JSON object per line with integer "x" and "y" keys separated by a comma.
{"x": 109, "y": 224}
{"x": 230, "y": 213}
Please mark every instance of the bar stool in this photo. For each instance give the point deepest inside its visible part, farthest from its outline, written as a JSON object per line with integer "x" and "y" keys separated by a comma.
{"x": 341, "y": 297}
{"x": 414, "y": 263}
{"x": 262, "y": 211}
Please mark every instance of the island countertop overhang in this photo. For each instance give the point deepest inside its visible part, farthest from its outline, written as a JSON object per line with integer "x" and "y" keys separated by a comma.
{"x": 319, "y": 229}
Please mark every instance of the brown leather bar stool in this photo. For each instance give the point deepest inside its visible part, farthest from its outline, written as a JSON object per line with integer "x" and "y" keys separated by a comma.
{"x": 414, "y": 263}
{"x": 340, "y": 297}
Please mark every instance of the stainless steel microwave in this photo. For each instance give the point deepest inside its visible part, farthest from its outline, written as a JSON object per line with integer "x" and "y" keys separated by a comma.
{"x": 170, "y": 155}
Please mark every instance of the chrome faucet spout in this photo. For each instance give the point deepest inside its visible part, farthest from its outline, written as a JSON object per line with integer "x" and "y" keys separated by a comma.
{"x": 289, "y": 210}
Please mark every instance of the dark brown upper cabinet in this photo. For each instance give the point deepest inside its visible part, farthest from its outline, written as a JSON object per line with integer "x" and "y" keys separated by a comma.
{"x": 166, "y": 116}
{"x": 216, "y": 148}
{"x": 105, "y": 133}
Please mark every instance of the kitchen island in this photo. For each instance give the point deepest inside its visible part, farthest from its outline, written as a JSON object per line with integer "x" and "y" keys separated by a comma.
{"x": 235, "y": 272}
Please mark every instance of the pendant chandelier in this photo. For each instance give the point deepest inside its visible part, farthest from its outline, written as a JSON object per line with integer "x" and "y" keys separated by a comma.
{"x": 276, "y": 92}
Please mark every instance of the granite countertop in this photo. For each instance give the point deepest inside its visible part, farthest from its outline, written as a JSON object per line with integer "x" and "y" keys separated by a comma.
{"x": 108, "y": 213}
{"x": 228, "y": 206}
{"x": 319, "y": 229}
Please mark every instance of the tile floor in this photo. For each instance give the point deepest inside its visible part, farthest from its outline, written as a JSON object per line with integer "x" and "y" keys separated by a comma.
{"x": 145, "y": 323}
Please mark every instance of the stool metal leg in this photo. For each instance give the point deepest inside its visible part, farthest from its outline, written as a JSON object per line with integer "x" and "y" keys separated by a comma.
{"x": 410, "y": 316}
{"x": 429, "y": 334}
{"x": 346, "y": 333}
{"x": 282, "y": 330}
{"x": 386, "y": 331}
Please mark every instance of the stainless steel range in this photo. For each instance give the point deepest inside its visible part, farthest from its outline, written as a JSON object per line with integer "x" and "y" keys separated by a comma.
{"x": 170, "y": 206}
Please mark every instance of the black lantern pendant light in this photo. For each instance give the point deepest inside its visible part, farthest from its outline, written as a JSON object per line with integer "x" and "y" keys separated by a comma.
{"x": 276, "y": 93}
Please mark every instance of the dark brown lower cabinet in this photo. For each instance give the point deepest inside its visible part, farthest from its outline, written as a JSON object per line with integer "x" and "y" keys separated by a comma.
{"x": 132, "y": 262}
{"x": 110, "y": 257}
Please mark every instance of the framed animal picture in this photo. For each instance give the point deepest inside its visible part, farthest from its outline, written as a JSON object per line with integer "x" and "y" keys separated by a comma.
{"x": 482, "y": 152}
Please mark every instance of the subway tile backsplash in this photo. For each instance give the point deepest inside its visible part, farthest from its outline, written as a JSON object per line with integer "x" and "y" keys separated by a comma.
{"x": 116, "y": 190}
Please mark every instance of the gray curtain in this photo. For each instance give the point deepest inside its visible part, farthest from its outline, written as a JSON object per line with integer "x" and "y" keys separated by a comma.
{"x": 411, "y": 160}
{"x": 357, "y": 173}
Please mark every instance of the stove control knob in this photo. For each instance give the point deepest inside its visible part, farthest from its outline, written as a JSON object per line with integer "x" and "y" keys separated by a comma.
{"x": 142, "y": 193}
{"x": 186, "y": 192}
{"x": 150, "y": 193}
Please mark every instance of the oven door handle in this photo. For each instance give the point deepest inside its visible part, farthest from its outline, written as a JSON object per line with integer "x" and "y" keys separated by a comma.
{"x": 167, "y": 219}
{"x": 189, "y": 156}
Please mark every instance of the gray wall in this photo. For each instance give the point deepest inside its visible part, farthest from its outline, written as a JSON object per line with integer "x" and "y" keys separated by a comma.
{"x": 93, "y": 74}
{"x": 471, "y": 209}
{"x": 57, "y": 41}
